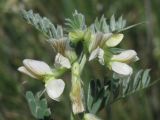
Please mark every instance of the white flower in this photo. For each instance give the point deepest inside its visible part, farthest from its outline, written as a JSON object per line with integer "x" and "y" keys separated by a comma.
{"x": 95, "y": 41}
{"x": 61, "y": 61}
{"x": 98, "y": 39}
{"x": 62, "y": 46}
{"x": 119, "y": 62}
{"x": 34, "y": 68}
{"x": 55, "y": 88}
{"x": 59, "y": 45}
{"x": 114, "y": 40}
{"x": 22, "y": 69}
{"x": 89, "y": 116}
{"x": 126, "y": 56}
{"x": 121, "y": 68}
{"x": 97, "y": 53}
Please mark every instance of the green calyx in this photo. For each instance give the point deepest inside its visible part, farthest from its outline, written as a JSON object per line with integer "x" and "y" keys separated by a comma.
{"x": 76, "y": 36}
{"x": 71, "y": 55}
{"x": 56, "y": 73}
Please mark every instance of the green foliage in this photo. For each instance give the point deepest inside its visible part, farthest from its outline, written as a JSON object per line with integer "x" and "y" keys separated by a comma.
{"x": 135, "y": 83}
{"x": 38, "y": 107}
{"x": 77, "y": 22}
{"x": 99, "y": 95}
{"x": 95, "y": 96}
{"x": 114, "y": 26}
{"x": 43, "y": 24}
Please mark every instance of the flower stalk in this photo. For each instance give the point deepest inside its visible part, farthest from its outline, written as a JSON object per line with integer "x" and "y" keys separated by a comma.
{"x": 76, "y": 94}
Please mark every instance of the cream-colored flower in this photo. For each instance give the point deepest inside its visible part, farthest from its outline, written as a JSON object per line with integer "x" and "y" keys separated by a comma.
{"x": 97, "y": 53}
{"x": 54, "y": 88}
{"x": 34, "y": 68}
{"x": 98, "y": 40}
{"x": 114, "y": 40}
{"x": 119, "y": 62}
{"x": 89, "y": 116}
{"x": 121, "y": 68}
{"x": 61, "y": 61}
{"x": 62, "y": 46}
{"x": 126, "y": 56}
{"x": 95, "y": 41}
{"x": 59, "y": 45}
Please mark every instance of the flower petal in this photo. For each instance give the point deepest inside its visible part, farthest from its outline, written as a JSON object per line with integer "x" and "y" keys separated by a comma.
{"x": 114, "y": 40}
{"x": 60, "y": 60}
{"x": 55, "y": 88}
{"x": 121, "y": 68}
{"x": 106, "y": 36}
{"x": 22, "y": 69}
{"x": 98, "y": 52}
{"x": 95, "y": 41}
{"x": 36, "y": 67}
{"x": 125, "y": 56}
{"x": 59, "y": 45}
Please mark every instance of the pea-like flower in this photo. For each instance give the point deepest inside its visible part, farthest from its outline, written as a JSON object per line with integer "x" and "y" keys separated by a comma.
{"x": 61, "y": 61}
{"x": 118, "y": 63}
{"x": 97, "y": 53}
{"x": 100, "y": 41}
{"x": 41, "y": 70}
{"x": 114, "y": 40}
{"x": 34, "y": 68}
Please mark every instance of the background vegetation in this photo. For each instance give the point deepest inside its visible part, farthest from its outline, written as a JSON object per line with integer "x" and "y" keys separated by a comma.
{"x": 18, "y": 40}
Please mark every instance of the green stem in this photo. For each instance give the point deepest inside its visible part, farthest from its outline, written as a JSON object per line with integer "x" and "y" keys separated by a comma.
{"x": 83, "y": 62}
{"x": 76, "y": 94}
{"x": 59, "y": 72}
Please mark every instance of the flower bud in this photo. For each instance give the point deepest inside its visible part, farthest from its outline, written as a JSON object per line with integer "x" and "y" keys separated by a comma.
{"x": 76, "y": 36}
{"x": 114, "y": 40}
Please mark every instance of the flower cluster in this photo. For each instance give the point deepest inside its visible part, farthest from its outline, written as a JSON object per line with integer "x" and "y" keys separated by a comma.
{"x": 95, "y": 45}
{"x": 117, "y": 62}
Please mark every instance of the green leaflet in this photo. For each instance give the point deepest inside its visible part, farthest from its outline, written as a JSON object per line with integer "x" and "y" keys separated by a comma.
{"x": 116, "y": 89}
{"x": 43, "y": 24}
{"x": 96, "y": 96}
{"x": 38, "y": 107}
{"x": 134, "y": 83}
{"x": 77, "y": 22}
{"x": 113, "y": 26}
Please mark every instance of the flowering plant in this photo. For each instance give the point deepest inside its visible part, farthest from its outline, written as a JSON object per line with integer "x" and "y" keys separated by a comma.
{"x": 100, "y": 72}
